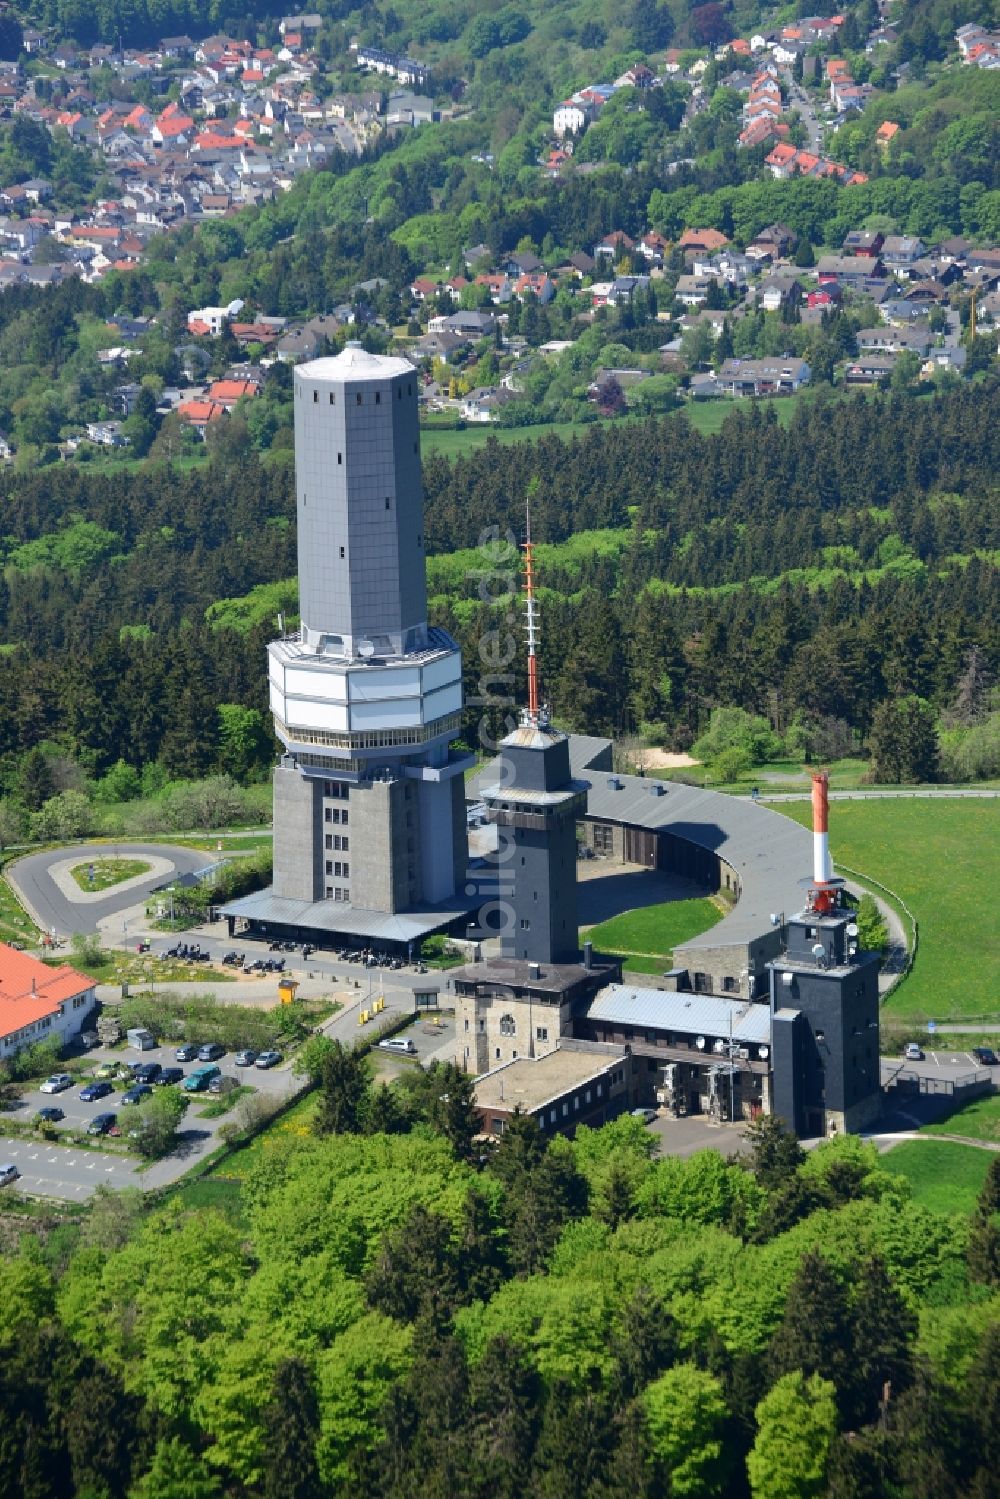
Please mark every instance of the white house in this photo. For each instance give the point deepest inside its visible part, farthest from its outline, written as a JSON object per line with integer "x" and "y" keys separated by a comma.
{"x": 570, "y": 118}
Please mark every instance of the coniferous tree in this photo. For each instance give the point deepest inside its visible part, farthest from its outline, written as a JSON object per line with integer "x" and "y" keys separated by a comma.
{"x": 292, "y": 1425}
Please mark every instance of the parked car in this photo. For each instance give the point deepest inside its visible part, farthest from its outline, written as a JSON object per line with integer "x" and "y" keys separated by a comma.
{"x": 268, "y": 1059}
{"x": 107, "y": 1069}
{"x": 245, "y": 1058}
{"x": 93, "y": 1091}
{"x": 985, "y": 1056}
{"x": 137, "y": 1094}
{"x": 223, "y": 1084}
{"x": 8, "y": 1174}
{"x": 49, "y": 1116}
{"x": 402, "y": 1047}
{"x": 913, "y": 1052}
{"x": 57, "y": 1083}
{"x": 186, "y": 1053}
{"x": 102, "y": 1124}
{"x": 648, "y": 1116}
{"x": 211, "y": 1052}
{"x": 168, "y": 1075}
{"x": 147, "y": 1072}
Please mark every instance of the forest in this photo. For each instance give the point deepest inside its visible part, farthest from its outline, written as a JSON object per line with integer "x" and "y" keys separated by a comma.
{"x": 360, "y": 1302}
{"x": 817, "y": 574}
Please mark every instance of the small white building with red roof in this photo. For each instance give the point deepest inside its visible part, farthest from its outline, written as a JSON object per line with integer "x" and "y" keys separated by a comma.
{"x": 37, "y": 1002}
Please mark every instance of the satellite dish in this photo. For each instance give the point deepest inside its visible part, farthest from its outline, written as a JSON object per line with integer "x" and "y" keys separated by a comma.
{"x": 786, "y": 979}
{"x": 763, "y": 1052}
{"x": 699, "y": 1041}
{"x": 718, "y": 1046}
{"x": 818, "y": 950}
{"x": 366, "y": 650}
{"x": 852, "y": 928}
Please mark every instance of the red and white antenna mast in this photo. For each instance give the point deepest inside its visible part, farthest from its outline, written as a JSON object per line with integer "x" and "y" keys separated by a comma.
{"x": 823, "y": 885}
{"x": 533, "y": 710}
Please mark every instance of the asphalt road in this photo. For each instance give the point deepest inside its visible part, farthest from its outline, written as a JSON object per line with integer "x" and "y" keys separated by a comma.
{"x": 51, "y": 909}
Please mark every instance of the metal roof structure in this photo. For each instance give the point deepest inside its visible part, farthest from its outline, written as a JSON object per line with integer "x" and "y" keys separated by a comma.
{"x": 770, "y": 853}
{"x": 684, "y": 1014}
{"x": 348, "y": 920}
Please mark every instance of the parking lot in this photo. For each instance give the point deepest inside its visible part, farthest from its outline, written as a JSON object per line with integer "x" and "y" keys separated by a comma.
{"x": 52, "y": 1169}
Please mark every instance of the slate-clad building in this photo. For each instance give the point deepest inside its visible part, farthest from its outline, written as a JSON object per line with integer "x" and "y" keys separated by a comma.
{"x": 369, "y": 807}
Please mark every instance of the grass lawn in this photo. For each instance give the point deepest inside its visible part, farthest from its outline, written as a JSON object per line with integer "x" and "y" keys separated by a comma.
{"x": 938, "y": 855}
{"x": 945, "y": 1177}
{"x": 978, "y": 1120}
{"x": 295, "y": 1125}
{"x": 101, "y": 874}
{"x": 221, "y": 1193}
{"x": 648, "y": 936}
{"x": 225, "y": 1102}
{"x": 456, "y": 442}
{"x": 15, "y": 924}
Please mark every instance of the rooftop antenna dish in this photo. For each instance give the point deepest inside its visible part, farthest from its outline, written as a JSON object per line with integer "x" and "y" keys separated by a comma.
{"x": 366, "y": 649}
{"x": 852, "y": 928}
{"x": 818, "y": 950}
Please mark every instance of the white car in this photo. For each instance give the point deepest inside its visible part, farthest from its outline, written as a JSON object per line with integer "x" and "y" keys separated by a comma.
{"x": 913, "y": 1052}
{"x": 8, "y": 1174}
{"x": 648, "y": 1116}
{"x": 57, "y": 1083}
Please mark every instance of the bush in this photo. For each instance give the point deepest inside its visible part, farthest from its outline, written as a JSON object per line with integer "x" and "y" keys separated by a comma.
{"x": 733, "y": 728}
{"x": 732, "y": 765}
{"x": 37, "y": 1060}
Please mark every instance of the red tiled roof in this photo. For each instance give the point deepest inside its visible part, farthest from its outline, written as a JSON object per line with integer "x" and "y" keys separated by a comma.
{"x": 30, "y": 991}
{"x": 231, "y": 390}
{"x": 200, "y": 412}
{"x": 195, "y": 325}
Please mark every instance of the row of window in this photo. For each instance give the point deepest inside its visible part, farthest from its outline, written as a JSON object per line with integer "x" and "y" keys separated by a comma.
{"x": 554, "y": 1113}
{"x": 337, "y": 892}
{"x": 335, "y": 867}
{"x": 336, "y": 789}
{"x": 337, "y": 841}
{"x": 371, "y": 739}
{"x": 334, "y": 814}
{"x": 359, "y": 396}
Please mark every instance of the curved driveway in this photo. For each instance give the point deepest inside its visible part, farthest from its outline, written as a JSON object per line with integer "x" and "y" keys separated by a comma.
{"x": 50, "y": 906}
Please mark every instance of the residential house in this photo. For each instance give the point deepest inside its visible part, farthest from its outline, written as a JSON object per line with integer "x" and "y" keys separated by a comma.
{"x": 850, "y": 272}
{"x": 571, "y": 117}
{"x": 200, "y": 414}
{"x": 869, "y": 369}
{"x": 694, "y": 241}
{"x": 107, "y": 434}
{"x": 777, "y": 241}
{"x": 614, "y": 244}
{"x": 692, "y": 291}
{"x": 863, "y": 242}
{"x": 779, "y": 293}
{"x": 624, "y": 288}
{"x": 886, "y": 134}
{"x": 654, "y": 247}
{"x": 763, "y": 377}
{"x": 902, "y": 250}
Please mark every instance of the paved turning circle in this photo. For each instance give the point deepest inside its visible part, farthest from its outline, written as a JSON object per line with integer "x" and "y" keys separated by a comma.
{"x": 55, "y": 902}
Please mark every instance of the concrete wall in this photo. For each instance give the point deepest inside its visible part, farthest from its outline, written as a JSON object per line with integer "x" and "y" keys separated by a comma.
{"x": 384, "y": 845}
{"x": 298, "y": 841}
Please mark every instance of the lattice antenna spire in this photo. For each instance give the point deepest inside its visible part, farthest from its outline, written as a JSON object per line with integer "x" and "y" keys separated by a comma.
{"x": 532, "y": 626}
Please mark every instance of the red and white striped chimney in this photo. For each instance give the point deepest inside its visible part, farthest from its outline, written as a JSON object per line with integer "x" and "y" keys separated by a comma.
{"x": 822, "y": 867}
